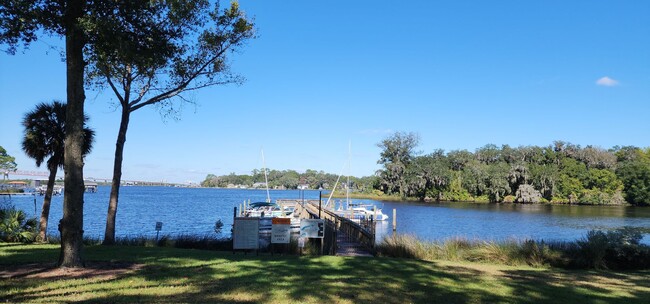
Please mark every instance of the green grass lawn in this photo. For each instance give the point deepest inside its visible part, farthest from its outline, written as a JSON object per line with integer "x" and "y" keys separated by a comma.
{"x": 180, "y": 275}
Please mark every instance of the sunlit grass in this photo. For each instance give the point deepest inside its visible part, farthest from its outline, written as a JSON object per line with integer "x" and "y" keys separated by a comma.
{"x": 617, "y": 249}
{"x": 183, "y": 275}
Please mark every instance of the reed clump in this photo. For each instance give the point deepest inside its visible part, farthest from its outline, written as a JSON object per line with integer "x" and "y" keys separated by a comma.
{"x": 616, "y": 249}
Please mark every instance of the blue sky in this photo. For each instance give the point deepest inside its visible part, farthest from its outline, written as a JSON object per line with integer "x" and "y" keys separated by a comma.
{"x": 461, "y": 74}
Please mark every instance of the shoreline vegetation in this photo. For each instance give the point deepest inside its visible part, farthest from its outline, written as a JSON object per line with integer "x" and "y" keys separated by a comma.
{"x": 560, "y": 173}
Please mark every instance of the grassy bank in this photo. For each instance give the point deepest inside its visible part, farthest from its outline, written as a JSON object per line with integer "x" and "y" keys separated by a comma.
{"x": 615, "y": 249}
{"x": 181, "y": 275}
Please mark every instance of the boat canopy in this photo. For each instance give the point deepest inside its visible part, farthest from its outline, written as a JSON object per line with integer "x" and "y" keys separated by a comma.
{"x": 263, "y": 204}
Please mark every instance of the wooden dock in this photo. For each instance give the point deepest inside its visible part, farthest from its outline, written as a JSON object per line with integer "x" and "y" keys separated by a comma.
{"x": 349, "y": 238}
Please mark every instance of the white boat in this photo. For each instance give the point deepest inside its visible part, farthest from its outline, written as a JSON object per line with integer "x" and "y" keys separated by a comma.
{"x": 266, "y": 211}
{"x": 360, "y": 211}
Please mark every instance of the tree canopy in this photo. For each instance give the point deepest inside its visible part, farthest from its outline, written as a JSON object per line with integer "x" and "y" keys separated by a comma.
{"x": 7, "y": 162}
{"x": 561, "y": 173}
{"x": 154, "y": 53}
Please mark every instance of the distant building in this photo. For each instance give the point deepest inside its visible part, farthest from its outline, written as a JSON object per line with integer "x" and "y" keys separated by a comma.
{"x": 303, "y": 186}
{"x": 259, "y": 185}
{"x": 17, "y": 184}
{"x": 90, "y": 186}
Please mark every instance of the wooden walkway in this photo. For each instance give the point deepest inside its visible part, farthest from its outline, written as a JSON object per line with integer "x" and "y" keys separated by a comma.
{"x": 347, "y": 247}
{"x": 351, "y": 239}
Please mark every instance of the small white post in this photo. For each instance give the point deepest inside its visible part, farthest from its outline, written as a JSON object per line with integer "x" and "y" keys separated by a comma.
{"x": 394, "y": 219}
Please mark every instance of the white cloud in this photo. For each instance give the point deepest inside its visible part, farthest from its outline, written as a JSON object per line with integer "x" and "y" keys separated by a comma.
{"x": 607, "y": 82}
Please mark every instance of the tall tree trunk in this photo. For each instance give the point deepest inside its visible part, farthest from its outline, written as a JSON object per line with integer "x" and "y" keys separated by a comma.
{"x": 109, "y": 234}
{"x": 45, "y": 211}
{"x": 71, "y": 226}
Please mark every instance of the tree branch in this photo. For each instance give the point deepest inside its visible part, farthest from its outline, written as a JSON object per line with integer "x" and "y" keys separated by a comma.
{"x": 181, "y": 87}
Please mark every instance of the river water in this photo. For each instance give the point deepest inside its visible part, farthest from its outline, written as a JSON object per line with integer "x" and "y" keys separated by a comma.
{"x": 195, "y": 211}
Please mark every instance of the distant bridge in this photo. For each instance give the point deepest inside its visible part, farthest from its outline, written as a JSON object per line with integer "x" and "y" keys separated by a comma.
{"x": 99, "y": 180}
{"x": 27, "y": 173}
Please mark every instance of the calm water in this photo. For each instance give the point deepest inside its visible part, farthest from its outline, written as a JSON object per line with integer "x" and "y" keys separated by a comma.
{"x": 194, "y": 211}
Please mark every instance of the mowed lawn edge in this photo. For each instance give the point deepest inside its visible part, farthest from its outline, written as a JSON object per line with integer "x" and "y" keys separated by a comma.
{"x": 157, "y": 274}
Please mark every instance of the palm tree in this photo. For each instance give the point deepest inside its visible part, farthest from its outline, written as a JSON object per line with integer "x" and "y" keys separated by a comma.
{"x": 15, "y": 226}
{"x": 44, "y": 137}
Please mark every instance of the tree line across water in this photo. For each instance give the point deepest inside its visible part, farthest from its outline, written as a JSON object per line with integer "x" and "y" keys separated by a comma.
{"x": 558, "y": 173}
{"x": 289, "y": 179}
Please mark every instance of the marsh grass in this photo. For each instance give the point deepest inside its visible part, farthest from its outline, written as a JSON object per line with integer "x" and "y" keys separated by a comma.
{"x": 617, "y": 249}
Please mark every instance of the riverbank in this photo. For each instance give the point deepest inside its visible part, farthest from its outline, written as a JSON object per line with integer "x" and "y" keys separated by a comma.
{"x": 154, "y": 274}
{"x": 478, "y": 200}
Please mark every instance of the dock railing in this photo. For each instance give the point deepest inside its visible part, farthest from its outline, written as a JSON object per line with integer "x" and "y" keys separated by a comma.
{"x": 358, "y": 231}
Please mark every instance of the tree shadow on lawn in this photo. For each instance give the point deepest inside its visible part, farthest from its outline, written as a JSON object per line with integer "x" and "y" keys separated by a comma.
{"x": 172, "y": 275}
{"x": 548, "y": 286}
{"x": 316, "y": 280}
{"x": 224, "y": 277}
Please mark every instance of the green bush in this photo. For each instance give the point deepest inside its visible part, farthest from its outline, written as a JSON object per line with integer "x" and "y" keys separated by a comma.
{"x": 16, "y": 227}
{"x": 482, "y": 199}
{"x": 616, "y": 249}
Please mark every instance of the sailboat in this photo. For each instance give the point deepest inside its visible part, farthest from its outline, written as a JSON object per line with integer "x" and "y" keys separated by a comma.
{"x": 268, "y": 209}
{"x": 356, "y": 211}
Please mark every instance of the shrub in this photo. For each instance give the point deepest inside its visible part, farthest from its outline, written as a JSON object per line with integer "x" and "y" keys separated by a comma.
{"x": 16, "y": 227}
{"x": 616, "y": 249}
{"x": 509, "y": 199}
{"x": 559, "y": 200}
{"x": 482, "y": 199}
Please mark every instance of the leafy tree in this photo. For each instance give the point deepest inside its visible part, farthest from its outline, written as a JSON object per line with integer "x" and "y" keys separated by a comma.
{"x": 603, "y": 180}
{"x": 44, "y": 137}
{"x": 518, "y": 175}
{"x": 628, "y": 153}
{"x": 7, "y": 163}
{"x": 488, "y": 154}
{"x": 22, "y": 22}
{"x": 474, "y": 178}
{"x": 569, "y": 188}
{"x": 398, "y": 150}
{"x": 210, "y": 181}
{"x": 635, "y": 176}
{"x": 597, "y": 158}
{"x": 496, "y": 181}
{"x": 289, "y": 180}
{"x": 430, "y": 175}
{"x": 574, "y": 168}
{"x": 545, "y": 178}
{"x": 458, "y": 159}
{"x": 456, "y": 192}
{"x": 158, "y": 52}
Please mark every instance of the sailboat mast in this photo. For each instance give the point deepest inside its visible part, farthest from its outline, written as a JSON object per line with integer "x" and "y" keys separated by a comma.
{"x": 347, "y": 193}
{"x": 266, "y": 179}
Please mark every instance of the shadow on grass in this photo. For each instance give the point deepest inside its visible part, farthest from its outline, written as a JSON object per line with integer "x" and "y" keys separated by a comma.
{"x": 174, "y": 275}
{"x": 578, "y": 286}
